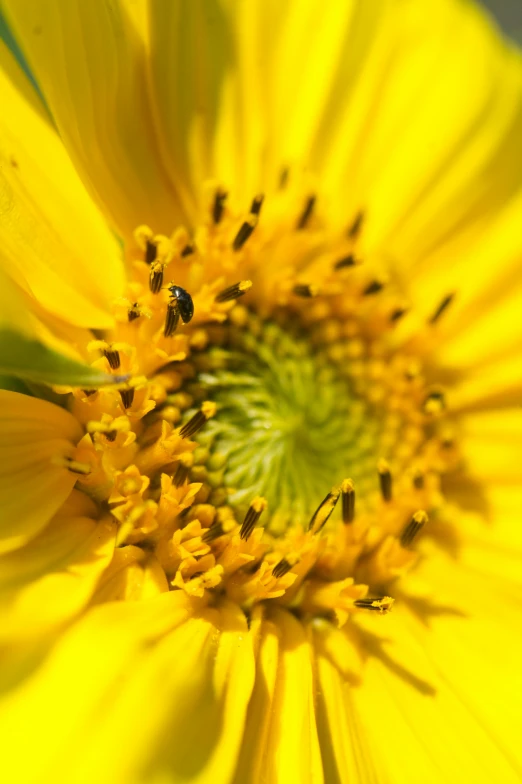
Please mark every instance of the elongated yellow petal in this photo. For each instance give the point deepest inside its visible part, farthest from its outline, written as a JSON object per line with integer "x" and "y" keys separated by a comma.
{"x": 345, "y": 751}
{"x": 281, "y": 741}
{"x": 34, "y": 436}
{"x": 482, "y": 325}
{"x": 88, "y": 60}
{"x": 193, "y": 677}
{"x": 54, "y": 242}
{"x": 491, "y": 446}
{"x": 191, "y": 54}
{"x": 52, "y": 577}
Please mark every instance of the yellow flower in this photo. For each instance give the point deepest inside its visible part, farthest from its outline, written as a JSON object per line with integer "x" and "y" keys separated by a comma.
{"x": 267, "y": 254}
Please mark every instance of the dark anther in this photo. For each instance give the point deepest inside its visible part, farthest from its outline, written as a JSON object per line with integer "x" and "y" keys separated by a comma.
{"x": 214, "y": 532}
{"x": 305, "y": 290}
{"x": 322, "y": 514}
{"x": 397, "y": 314}
{"x": 151, "y": 250}
{"x": 171, "y": 319}
{"x": 434, "y": 402}
{"x": 413, "y": 527}
{"x": 355, "y": 228}
{"x": 375, "y": 603}
{"x": 187, "y": 251}
{"x": 219, "y": 206}
{"x": 113, "y": 358}
{"x": 184, "y": 515}
{"x": 373, "y": 288}
{"x": 156, "y": 279}
{"x": 251, "y": 568}
{"x": 244, "y": 233}
{"x": 127, "y": 397}
{"x": 283, "y": 177}
{"x": 346, "y": 261}
{"x": 182, "y": 473}
{"x": 234, "y": 292}
{"x": 307, "y": 213}
{"x": 446, "y": 302}
{"x": 253, "y": 514}
{"x": 83, "y": 469}
{"x": 348, "y": 495}
{"x": 281, "y": 568}
{"x": 110, "y": 435}
{"x": 385, "y": 480}
{"x": 90, "y": 392}
{"x": 134, "y": 312}
{"x": 194, "y": 424}
{"x": 197, "y": 421}
{"x": 418, "y": 481}
{"x": 257, "y": 203}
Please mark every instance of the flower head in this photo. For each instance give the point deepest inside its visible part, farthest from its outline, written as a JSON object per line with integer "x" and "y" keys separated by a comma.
{"x": 258, "y": 472}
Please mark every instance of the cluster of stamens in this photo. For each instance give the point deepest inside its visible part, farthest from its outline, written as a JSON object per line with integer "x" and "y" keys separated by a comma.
{"x": 159, "y": 449}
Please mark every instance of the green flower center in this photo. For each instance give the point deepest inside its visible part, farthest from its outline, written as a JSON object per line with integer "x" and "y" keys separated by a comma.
{"x": 288, "y": 421}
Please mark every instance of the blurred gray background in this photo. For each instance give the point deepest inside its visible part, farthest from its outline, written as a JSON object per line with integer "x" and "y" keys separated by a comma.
{"x": 509, "y": 15}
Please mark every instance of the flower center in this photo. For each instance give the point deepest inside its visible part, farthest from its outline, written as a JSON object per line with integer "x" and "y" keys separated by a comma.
{"x": 284, "y": 451}
{"x": 287, "y": 425}
{"x": 290, "y": 424}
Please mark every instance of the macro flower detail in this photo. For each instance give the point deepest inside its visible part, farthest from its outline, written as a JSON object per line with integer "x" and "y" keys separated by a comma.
{"x": 259, "y": 416}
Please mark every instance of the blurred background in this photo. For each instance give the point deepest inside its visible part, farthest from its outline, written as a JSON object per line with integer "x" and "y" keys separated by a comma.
{"x": 509, "y": 15}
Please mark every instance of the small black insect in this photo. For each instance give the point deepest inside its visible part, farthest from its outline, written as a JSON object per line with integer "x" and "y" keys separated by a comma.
{"x": 184, "y": 302}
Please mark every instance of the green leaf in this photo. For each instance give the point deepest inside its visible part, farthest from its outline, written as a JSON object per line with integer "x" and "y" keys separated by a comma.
{"x": 26, "y": 358}
{"x": 13, "y": 384}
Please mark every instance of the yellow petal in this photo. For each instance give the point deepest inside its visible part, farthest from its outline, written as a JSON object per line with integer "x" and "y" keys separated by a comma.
{"x": 446, "y": 679}
{"x": 54, "y": 242}
{"x": 136, "y": 691}
{"x": 482, "y": 326}
{"x": 53, "y": 576}
{"x": 448, "y": 114}
{"x": 345, "y": 751}
{"x": 137, "y": 11}
{"x": 30, "y": 351}
{"x": 459, "y": 145}
{"x": 281, "y": 742}
{"x": 33, "y": 434}
{"x": 490, "y": 443}
{"x": 242, "y": 89}
{"x": 210, "y": 82}
{"x": 131, "y": 575}
{"x": 89, "y": 62}
{"x": 318, "y": 49}
{"x": 189, "y": 58}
